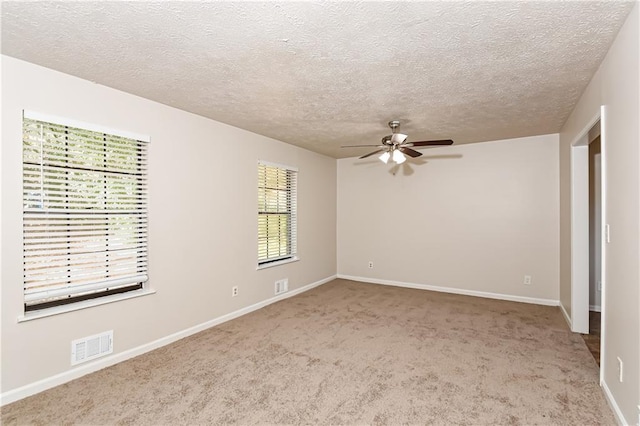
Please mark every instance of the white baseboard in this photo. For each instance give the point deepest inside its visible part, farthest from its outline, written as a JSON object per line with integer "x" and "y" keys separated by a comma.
{"x": 64, "y": 377}
{"x": 595, "y": 308}
{"x": 566, "y": 316}
{"x": 613, "y": 404}
{"x": 488, "y": 295}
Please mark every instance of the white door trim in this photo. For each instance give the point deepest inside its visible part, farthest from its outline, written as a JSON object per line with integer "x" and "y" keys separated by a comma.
{"x": 580, "y": 236}
{"x": 603, "y": 241}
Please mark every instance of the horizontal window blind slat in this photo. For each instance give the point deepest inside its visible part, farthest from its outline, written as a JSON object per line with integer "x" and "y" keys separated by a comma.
{"x": 81, "y": 197}
{"x": 43, "y": 271}
{"x": 57, "y": 277}
{"x": 85, "y": 213}
{"x": 87, "y": 201}
{"x": 39, "y": 218}
{"x": 124, "y": 185}
{"x": 36, "y": 191}
{"x": 51, "y": 138}
{"x": 89, "y": 225}
{"x": 80, "y": 148}
{"x": 58, "y": 206}
{"x": 58, "y": 251}
{"x": 81, "y": 235}
{"x": 58, "y": 231}
{"x": 89, "y": 247}
{"x": 52, "y": 172}
{"x": 79, "y": 243}
{"x": 37, "y": 261}
{"x": 60, "y": 173}
{"x": 108, "y": 160}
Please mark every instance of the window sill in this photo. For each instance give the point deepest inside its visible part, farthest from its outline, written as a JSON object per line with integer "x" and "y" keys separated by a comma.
{"x": 29, "y": 316}
{"x": 278, "y": 263}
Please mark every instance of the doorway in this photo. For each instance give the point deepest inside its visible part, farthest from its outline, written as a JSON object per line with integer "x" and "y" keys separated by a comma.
{"x": 592, "y": 339}
{"x": 580, "y": 234}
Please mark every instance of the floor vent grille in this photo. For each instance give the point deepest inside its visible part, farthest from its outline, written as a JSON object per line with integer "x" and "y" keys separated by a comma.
{"x": 282, "y": 286}
{"x": 92, "y": 347}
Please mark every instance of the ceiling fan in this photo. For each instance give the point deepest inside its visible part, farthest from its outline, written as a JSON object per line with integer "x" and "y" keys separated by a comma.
{"x": 395, "y": 146}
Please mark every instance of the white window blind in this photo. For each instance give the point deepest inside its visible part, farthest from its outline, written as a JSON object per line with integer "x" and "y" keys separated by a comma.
{"x": 84, "y": 214}
{"x": 277, "y": 193}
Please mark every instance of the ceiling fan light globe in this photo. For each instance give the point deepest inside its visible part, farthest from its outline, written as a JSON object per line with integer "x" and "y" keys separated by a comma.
{"x": 399, "y": 157}
{"x": 384, "y": 157}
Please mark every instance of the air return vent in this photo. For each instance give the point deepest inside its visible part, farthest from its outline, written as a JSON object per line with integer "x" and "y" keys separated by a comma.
{"x": 91, "y": 347}
{"x": 282, "y": 286}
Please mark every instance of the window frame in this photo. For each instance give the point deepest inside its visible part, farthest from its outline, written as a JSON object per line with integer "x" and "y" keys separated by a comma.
{"x": 96, "y": 295}
{"x": 292, "y": 211}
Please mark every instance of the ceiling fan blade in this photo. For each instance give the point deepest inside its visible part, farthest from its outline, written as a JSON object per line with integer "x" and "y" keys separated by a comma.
{"x": 431, "y": 143}
{"x": 358, "y": 146}
{"x": 410, "y": 152}
{"x": 371, "y": 153}
{"x": 398, "y": 138}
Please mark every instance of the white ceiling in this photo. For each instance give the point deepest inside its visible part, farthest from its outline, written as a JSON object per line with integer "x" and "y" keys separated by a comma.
{"x": 323, "y": 74}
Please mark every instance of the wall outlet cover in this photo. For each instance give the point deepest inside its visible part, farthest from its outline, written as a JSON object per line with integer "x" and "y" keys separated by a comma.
{"x": 620, "y": 369}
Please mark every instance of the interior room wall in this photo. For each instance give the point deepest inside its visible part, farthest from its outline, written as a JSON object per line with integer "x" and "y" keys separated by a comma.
{"x": 474, "y": 218}
{"x": 616, "y": 86}
{"x": 202, "y": 231}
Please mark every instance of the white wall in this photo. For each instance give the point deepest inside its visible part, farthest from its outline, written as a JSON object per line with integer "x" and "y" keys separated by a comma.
{"x": 202, "y": 177}
{"x": 615, "y": 85}
{"x": 478, "y": 218}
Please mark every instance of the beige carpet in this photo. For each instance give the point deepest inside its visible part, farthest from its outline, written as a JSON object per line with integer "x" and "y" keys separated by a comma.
{"x": 349, "y": 353}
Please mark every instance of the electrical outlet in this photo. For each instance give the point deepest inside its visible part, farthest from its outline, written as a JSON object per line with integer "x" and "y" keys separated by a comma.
{"x": 527, "y": 280}
{"x": 370, "y": 264}
{"x": 620, "y": 369}
{"x": 234, "y": 291}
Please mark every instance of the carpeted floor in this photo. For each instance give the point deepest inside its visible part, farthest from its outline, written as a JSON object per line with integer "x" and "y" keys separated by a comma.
{"x": 349, "y": 353}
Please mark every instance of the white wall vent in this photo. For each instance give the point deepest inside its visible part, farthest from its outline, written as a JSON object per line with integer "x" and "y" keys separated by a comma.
{"x": 91, "y": 347}
{"x": 282, "y": 286}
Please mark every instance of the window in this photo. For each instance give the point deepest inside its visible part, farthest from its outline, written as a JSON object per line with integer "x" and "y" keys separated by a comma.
{"x": 84, "y": 213}
{"x": 276, "y": 213}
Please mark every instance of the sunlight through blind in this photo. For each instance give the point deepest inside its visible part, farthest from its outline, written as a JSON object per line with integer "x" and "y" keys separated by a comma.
{"x": 276, "y": 213}
{"x": 84, "y": 214}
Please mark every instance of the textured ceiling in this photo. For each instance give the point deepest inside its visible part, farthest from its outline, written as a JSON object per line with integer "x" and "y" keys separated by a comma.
{"x": 323, "y": 74}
